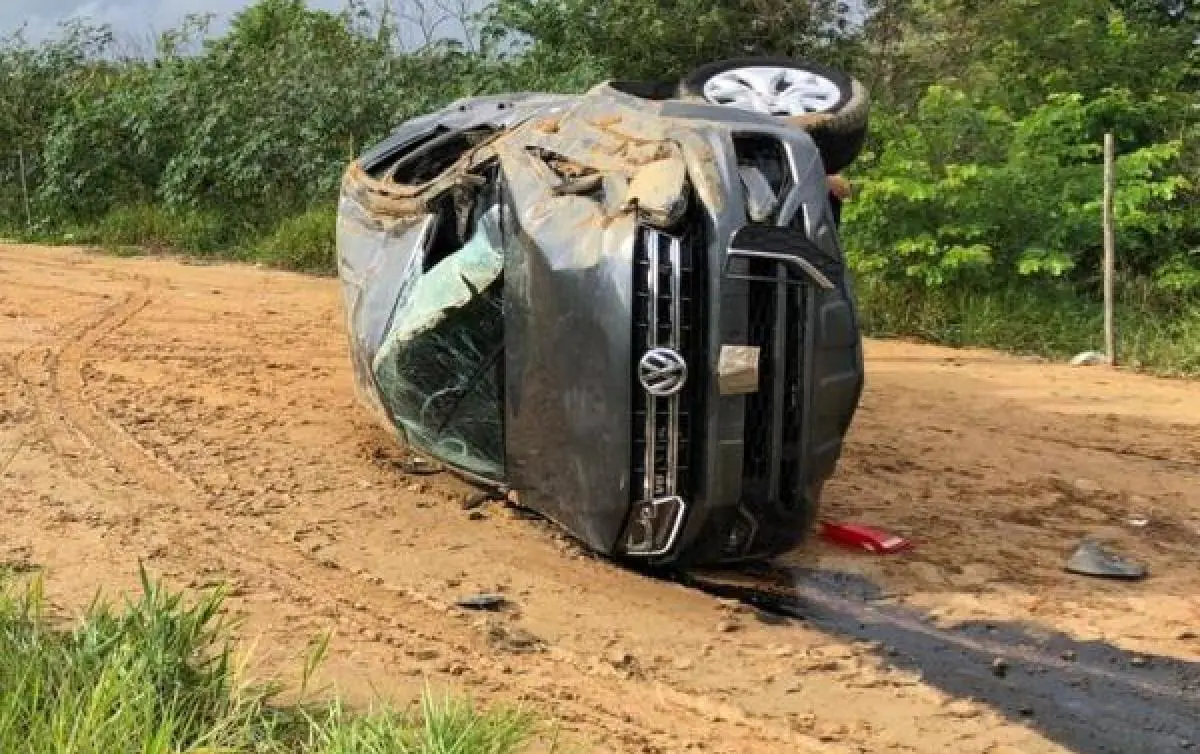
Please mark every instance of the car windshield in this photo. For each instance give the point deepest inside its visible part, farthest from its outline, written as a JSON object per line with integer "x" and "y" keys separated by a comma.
{"x": 437, "y": 361}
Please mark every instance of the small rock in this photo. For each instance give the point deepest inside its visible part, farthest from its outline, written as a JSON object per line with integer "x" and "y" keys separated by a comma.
{"x": 1088, "y": 513}
{"x": 803, "y": 722}
{"x": 1026, "y": 711}
{"x": 621, "y": 659}
{"x": 475, "y": 500}
{"x": 683, "y": 663}
{"x": 476, "y": 516}
{"x": 1069, "y": 655}
{"x": 1138, "y": 661}
{"x": 963, "y": 709}
{"x": 731, "y": 605}
{"x": 999, "y": 667}
{"x": 827, "y": 665}
{"x": 832, "y": 733}
{"x": 727, "y": 627}
{"x": 371, "y": 634}
{"x": 1187, "y": 636}
{"x": 425, "y": 655}
{"x": 454, "y": 668}
{"x": 514, "y": 639}
{"x": 1087, "y": 486}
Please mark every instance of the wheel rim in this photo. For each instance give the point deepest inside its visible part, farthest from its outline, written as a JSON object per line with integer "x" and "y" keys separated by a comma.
{"x": 773, "y": 90}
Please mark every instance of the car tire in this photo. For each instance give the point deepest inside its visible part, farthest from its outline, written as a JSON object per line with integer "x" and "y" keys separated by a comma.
{"x": 830, "y": 105}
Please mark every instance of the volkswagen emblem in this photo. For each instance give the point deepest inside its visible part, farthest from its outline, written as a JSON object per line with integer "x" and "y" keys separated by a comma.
{"x": 662, "y": 372}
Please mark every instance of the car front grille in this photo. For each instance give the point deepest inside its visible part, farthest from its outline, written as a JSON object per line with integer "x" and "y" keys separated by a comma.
{"x": 664, "y": 312}
{"x": 771, "y": 473}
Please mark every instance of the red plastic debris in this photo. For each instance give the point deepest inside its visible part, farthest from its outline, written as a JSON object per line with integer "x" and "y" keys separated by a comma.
{"x": 860, "y": 536}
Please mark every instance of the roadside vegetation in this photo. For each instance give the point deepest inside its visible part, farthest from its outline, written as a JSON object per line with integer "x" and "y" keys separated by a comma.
{"x": 976, "y": 219}
{"x": 158, "y": 675}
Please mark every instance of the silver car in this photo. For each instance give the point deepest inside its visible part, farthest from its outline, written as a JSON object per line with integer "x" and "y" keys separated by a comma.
{"x": 628, "y": 306}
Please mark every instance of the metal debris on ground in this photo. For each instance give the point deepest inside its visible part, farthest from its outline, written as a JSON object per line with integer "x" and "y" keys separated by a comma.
{"x": 860, "y": 536}
{"x": 485, "y": 601}
{"x": 1092, "y": 559}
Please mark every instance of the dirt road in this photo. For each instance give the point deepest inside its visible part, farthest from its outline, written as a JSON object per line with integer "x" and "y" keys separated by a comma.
{"x": 202, "y": 419}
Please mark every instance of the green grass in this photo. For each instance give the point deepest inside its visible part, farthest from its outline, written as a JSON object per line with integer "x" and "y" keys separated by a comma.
{"x": 1159, "y": 336}
{"x": 154, "y": 228}
{"x": 304, "y": 242}
{"x": 157, "y": 676}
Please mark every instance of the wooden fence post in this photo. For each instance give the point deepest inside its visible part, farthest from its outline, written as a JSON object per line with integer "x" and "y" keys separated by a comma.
{"x": 1110, "y": 252}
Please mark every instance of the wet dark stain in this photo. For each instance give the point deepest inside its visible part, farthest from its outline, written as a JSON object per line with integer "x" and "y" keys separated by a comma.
{"x": 1088, "y": 696}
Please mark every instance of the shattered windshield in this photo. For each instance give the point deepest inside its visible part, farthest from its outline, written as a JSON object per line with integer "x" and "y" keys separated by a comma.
{"x": 430, "y": 341}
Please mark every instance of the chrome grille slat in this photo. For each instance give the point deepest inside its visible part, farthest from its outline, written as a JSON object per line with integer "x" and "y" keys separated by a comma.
{"x": 652, "y": 248}
{"x": 662, "y": 444}
{"x": 675, "y": 343}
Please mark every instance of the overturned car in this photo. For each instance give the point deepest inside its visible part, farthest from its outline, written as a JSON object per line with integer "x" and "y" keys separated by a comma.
{"x": 629, "y": 306}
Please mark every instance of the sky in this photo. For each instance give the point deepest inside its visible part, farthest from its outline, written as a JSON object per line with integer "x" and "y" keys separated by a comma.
{"x": 134, "y": 19}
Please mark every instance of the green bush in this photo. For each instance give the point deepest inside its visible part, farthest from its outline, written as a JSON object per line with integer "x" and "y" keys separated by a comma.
{"x": 156, "y": 228}
{"x": 305, "y": 242}
{"x": 156, "y": 677}
{"x": 961, "y": 194}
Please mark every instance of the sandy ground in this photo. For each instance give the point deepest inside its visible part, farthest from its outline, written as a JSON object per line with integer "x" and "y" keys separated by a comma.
{"x": 202, "y": 419}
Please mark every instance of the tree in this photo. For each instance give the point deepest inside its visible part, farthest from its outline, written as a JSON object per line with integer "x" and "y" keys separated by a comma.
{"x": 636, "y": 39}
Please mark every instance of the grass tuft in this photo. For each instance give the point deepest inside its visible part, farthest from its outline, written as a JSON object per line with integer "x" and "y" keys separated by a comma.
{"x": 155, "y": 676}
{"x": 304, "y": 242}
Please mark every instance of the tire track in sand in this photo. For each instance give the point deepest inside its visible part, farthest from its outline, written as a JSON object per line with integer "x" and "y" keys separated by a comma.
{"x": 167, "y": 502}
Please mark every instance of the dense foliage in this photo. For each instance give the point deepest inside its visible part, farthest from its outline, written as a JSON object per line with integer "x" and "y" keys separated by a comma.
{"x": 988, "y": 148}
{"x": 983, "y": 170}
